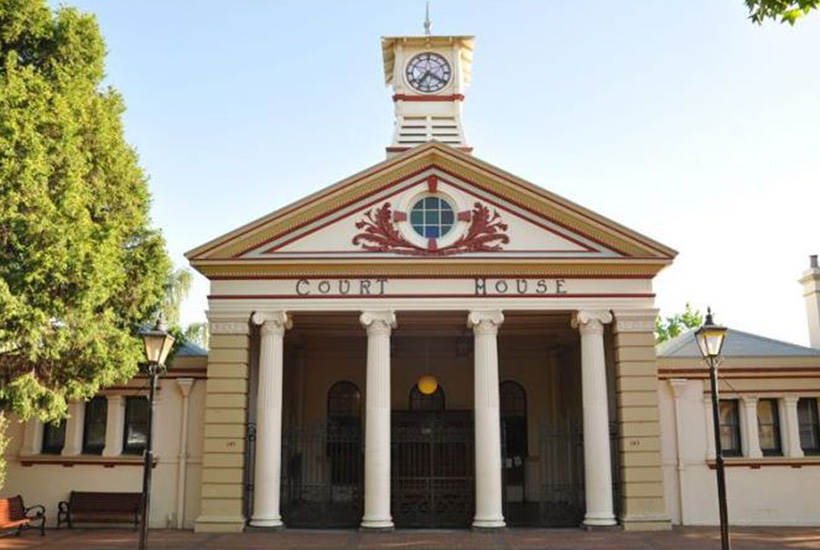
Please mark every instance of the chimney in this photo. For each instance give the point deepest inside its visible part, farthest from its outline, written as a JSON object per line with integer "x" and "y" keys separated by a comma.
{"x": 811, "y": 293}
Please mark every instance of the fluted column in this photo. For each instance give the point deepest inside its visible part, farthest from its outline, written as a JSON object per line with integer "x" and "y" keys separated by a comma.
{"x": 488, "y": 507}
{"x": 269, "y": 419}
{"x": 379, "y": 325}
{"x": 597, "y": 457}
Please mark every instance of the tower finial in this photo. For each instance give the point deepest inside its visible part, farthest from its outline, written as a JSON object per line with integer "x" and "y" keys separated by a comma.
{"x": 427, "y": 23}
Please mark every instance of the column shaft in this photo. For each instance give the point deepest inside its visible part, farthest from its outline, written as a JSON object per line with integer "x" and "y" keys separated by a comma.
{"x": 792, "y": 428}
{"x": 488, "y": 502}
{"x": 267, "y": 472}
{"x": 377, "y": 515}
{"x": 750, "y": 436}
{"x": 115, "y": 426}
{"x": 597, "y": 456}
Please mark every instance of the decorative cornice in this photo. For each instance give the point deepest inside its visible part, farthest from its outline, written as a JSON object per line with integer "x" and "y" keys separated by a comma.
{"x": 642, "y": 320}
{"x": 228, "y": 327}
{"x": 184, "y": 385}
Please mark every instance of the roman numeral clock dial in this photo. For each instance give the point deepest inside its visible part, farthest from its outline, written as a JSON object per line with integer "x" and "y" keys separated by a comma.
{"x": 428, "y": 72}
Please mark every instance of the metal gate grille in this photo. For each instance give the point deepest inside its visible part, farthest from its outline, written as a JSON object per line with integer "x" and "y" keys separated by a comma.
{"x": 322, "y": 476}
{"x": 433, "y": 476}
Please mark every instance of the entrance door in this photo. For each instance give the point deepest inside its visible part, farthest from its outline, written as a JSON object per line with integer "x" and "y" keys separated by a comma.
{"x": 433, "y": 476}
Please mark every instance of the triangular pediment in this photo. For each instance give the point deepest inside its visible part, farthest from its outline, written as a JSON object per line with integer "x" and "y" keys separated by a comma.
{"x": 479, "y": 213}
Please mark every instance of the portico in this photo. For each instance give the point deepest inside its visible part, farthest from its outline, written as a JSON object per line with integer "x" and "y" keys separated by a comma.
{"x": 431, "y": 342}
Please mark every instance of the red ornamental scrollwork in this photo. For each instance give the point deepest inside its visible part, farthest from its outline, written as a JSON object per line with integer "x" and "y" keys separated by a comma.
{"x": 486, "y": 233}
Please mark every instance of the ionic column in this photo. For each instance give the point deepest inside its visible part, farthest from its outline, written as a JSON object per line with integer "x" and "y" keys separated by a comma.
{"x": 488, "y": 506}
{"x": 114, "y": 426}
{"x": 749, "y": 436}
{"x": 597, "y": 457}
{"x": 379, "y": 325}
{"x": 269, "y": 419}
{"x": 792, "y": 447}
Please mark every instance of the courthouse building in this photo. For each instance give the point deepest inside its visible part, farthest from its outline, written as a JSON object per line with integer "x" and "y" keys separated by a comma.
{"x": 435, "y": 342}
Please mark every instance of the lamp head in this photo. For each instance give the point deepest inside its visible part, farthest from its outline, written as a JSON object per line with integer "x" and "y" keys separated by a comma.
{"x": 710, "y": 337}
{"x": 158, "y": 343}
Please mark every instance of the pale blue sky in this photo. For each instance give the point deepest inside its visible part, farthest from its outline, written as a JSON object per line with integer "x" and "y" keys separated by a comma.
{"x": 680, "y": 119}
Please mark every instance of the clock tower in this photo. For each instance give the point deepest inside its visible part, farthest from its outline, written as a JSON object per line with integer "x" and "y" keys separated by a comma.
{"x": 428, "y": 75}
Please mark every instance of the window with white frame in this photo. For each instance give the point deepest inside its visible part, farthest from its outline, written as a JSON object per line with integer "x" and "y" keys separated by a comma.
{"x": 95, "y": 419}
{"x": 730, "y": 427}
{"x": 809, "y": 425}
{"x": 136, "y": 425}
{"x": 768, "y": 427}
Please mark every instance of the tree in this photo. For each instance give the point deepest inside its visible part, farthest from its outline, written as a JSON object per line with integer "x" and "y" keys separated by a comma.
{"x": 786, "y": 10}
{"x": 176, "y": 290}
{"x": 198, "y": 334}
{"x": 673, "y": 326}
{"x": 80, "y": 267}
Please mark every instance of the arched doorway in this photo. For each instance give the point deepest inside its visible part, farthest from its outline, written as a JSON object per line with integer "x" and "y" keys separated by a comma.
{"x": 515, "y": 446}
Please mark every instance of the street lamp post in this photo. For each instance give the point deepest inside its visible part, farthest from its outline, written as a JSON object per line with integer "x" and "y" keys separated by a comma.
{"x": 157, "y": 345}
{"x": 710, "y": 338}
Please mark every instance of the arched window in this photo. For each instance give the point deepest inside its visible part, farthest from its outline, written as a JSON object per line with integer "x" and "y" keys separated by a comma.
{"x": 344, "y": 405}
{"x": 514, "y": 424}
{"x": 424, "y": 402}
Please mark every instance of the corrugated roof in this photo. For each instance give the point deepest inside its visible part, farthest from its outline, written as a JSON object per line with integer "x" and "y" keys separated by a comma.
{"x": 738, "y": 344}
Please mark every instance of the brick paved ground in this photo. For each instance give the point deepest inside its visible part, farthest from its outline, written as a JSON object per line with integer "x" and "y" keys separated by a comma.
{"x": 515, "y": 539}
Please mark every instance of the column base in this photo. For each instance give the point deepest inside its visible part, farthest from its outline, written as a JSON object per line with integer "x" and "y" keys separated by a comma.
{"x": 272, "y": 523}
{"x": 487, "y": 524}
{"x": 376, "y": 525}
{"x": 600, "y": 521}
{"x": 646, "y": 523}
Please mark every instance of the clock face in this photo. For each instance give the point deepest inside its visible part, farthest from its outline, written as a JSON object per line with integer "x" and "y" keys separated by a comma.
{"x": 428, "y": 72}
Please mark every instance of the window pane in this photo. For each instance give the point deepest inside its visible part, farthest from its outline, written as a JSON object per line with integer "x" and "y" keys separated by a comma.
{"x": 768, "y": 423}
{"x": 136, "y": 425}
{"x": 729, "y": 427}
{"x": 53, "y": 438}
{"x": 96, "y": 414}
{"x": 809, "y": 425}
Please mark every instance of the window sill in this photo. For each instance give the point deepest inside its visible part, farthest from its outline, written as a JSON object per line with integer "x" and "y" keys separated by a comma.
{"x": 84, "y": 460}
{"x": 757, "y": 463}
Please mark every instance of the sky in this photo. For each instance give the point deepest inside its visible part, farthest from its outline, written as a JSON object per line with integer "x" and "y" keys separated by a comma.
{"x": 680, "y": 119}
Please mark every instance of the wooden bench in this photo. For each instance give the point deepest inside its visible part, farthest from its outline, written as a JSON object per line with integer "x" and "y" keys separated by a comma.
{"x": 87, "y": 507}
{"x": 14, "y": 515}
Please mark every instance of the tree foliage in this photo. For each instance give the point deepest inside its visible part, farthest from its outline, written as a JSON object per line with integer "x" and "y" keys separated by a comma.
{"x": 787, "y": 11}
{"x": 672, "y": 326}
{"x": 80, "y": 267}
{"x": 198, "y": 334}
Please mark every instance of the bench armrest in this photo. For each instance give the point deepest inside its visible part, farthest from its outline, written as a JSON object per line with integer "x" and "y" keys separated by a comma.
{"x": 62, "y": 506}
{"x": 38, "y": 509}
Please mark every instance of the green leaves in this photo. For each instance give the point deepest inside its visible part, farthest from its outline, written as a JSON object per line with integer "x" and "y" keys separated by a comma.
{"x": 787, "y": 11}
{"x": 80, "y": 266}
{"x": 673, "y": 326}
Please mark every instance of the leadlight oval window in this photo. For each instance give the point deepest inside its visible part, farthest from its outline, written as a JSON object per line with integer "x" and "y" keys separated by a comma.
{"x": 432, "y": 217}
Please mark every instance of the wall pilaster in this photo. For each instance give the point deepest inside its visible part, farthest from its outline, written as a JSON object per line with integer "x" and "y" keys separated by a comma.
{"x": 636, "y": 385}
{"x": 226, "y": 404}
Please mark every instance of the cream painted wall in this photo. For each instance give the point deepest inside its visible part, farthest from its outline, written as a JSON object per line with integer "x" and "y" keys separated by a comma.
{"x": 48, "y": 484}
{"x": 769, "y": 495}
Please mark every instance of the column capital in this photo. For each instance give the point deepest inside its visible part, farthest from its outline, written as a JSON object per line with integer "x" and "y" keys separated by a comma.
{"x": 749, "y": 400}
{"x": 791, "y": 400}
{"x": 678, "y": 386}
{"x": 485, "y": 321}
{"x": 272, "y": 322}
{"x": 635, "y": 320}
{"x": 590, "y": 321}
{"x": 378, "y": 322}
{"x": 184, "y": 386}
